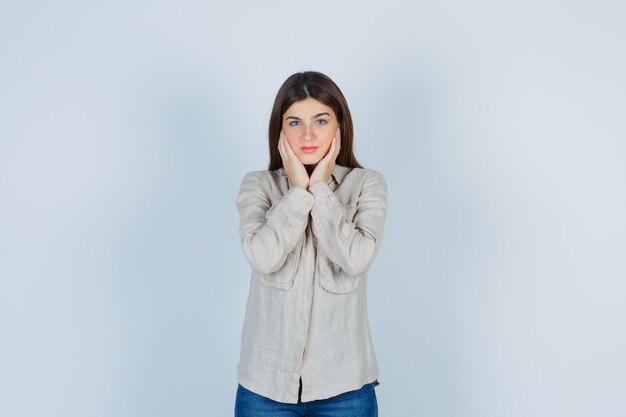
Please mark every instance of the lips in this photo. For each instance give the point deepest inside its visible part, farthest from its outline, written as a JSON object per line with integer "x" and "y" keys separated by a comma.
{"x": 308, "y": 149}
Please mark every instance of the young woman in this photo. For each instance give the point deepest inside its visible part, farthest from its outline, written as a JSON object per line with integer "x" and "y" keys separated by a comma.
{"x": 310, "y": 228}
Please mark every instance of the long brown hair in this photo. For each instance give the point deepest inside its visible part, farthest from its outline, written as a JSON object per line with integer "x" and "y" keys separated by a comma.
{"x": 300, "y": 86}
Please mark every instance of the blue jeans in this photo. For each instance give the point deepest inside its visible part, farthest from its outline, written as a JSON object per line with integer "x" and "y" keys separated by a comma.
{"x": 358, "y": 403}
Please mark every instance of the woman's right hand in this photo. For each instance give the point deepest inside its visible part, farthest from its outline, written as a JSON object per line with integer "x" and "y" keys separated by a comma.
{"x": 293, "y": 166}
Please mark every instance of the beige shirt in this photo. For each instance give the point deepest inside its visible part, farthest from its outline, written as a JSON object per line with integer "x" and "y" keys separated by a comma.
{"x": 306, "y": 315}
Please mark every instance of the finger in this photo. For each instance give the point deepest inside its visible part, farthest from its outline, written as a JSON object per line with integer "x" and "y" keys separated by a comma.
{"x": 281, "y": 148}
{"x": 333, "y": 148}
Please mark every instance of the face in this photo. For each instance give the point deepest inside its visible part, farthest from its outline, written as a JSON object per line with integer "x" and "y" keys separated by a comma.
{"x": 309, "y": 126}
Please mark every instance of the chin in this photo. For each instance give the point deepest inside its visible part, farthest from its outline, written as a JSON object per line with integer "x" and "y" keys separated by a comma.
{"x": 309, "y": 160}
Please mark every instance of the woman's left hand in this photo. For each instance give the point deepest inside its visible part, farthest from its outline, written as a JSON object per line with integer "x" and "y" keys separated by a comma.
{"x": 326, "y": 165}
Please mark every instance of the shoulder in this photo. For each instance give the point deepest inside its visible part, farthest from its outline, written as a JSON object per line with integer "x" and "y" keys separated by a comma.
{"x": 261, "y": 177}
{"x": 261, "y": 183}
{"x": 367, "y": 177}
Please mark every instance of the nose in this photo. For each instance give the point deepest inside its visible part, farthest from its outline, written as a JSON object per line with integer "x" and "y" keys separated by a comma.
{"x": 308, "y": 132}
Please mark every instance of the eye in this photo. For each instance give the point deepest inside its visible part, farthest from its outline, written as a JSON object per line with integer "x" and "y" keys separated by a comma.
{"x": 321, "y": 122}
{"x": 294, "y": 121}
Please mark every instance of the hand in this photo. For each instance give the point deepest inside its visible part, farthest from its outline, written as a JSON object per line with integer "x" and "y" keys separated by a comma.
{"x": 293, "y": 166}
{"x": 326, "y": 165}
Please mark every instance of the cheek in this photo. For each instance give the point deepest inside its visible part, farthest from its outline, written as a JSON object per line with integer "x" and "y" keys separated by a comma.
{"x": 292, "y": 141}
{"x": 326, "y": 142}
{"x": 291, "y": 133}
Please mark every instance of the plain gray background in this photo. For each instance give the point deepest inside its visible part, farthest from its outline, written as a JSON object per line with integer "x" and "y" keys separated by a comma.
{"x": 126, "y": 128}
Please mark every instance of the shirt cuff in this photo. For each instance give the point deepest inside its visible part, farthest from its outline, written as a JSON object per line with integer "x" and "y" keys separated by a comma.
{"x": 320, "y": 189}
{"x": 302, "y": 199}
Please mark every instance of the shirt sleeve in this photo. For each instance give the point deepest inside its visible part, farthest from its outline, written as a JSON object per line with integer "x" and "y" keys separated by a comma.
{"x": 350, "y": 243}
{"x": 269, "y": 232}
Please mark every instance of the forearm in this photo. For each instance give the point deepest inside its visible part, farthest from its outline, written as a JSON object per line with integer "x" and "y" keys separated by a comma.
{"x": 350, "y": 243}
{"x": 269, "y": 233}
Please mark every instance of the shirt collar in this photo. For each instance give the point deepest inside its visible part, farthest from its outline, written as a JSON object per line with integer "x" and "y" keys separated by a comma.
{"x": 338, "y": 174}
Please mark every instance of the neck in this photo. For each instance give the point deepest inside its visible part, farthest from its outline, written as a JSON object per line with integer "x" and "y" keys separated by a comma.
{"x": 310, "y": 168}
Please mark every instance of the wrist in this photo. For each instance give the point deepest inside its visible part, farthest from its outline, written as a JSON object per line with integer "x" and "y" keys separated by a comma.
{"x": 301, "y": 185}
{"x": 314, "y": 181}
{"x": 320, "y": 189}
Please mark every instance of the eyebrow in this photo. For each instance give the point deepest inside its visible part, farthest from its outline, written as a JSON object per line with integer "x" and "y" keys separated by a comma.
{"x": 312, "y": 117}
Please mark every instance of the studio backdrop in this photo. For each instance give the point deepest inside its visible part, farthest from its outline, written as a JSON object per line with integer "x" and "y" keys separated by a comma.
{"x": 127, "y": 127}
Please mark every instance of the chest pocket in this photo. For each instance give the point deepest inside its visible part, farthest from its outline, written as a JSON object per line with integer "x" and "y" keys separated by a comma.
{"x": 285, "y": 276}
